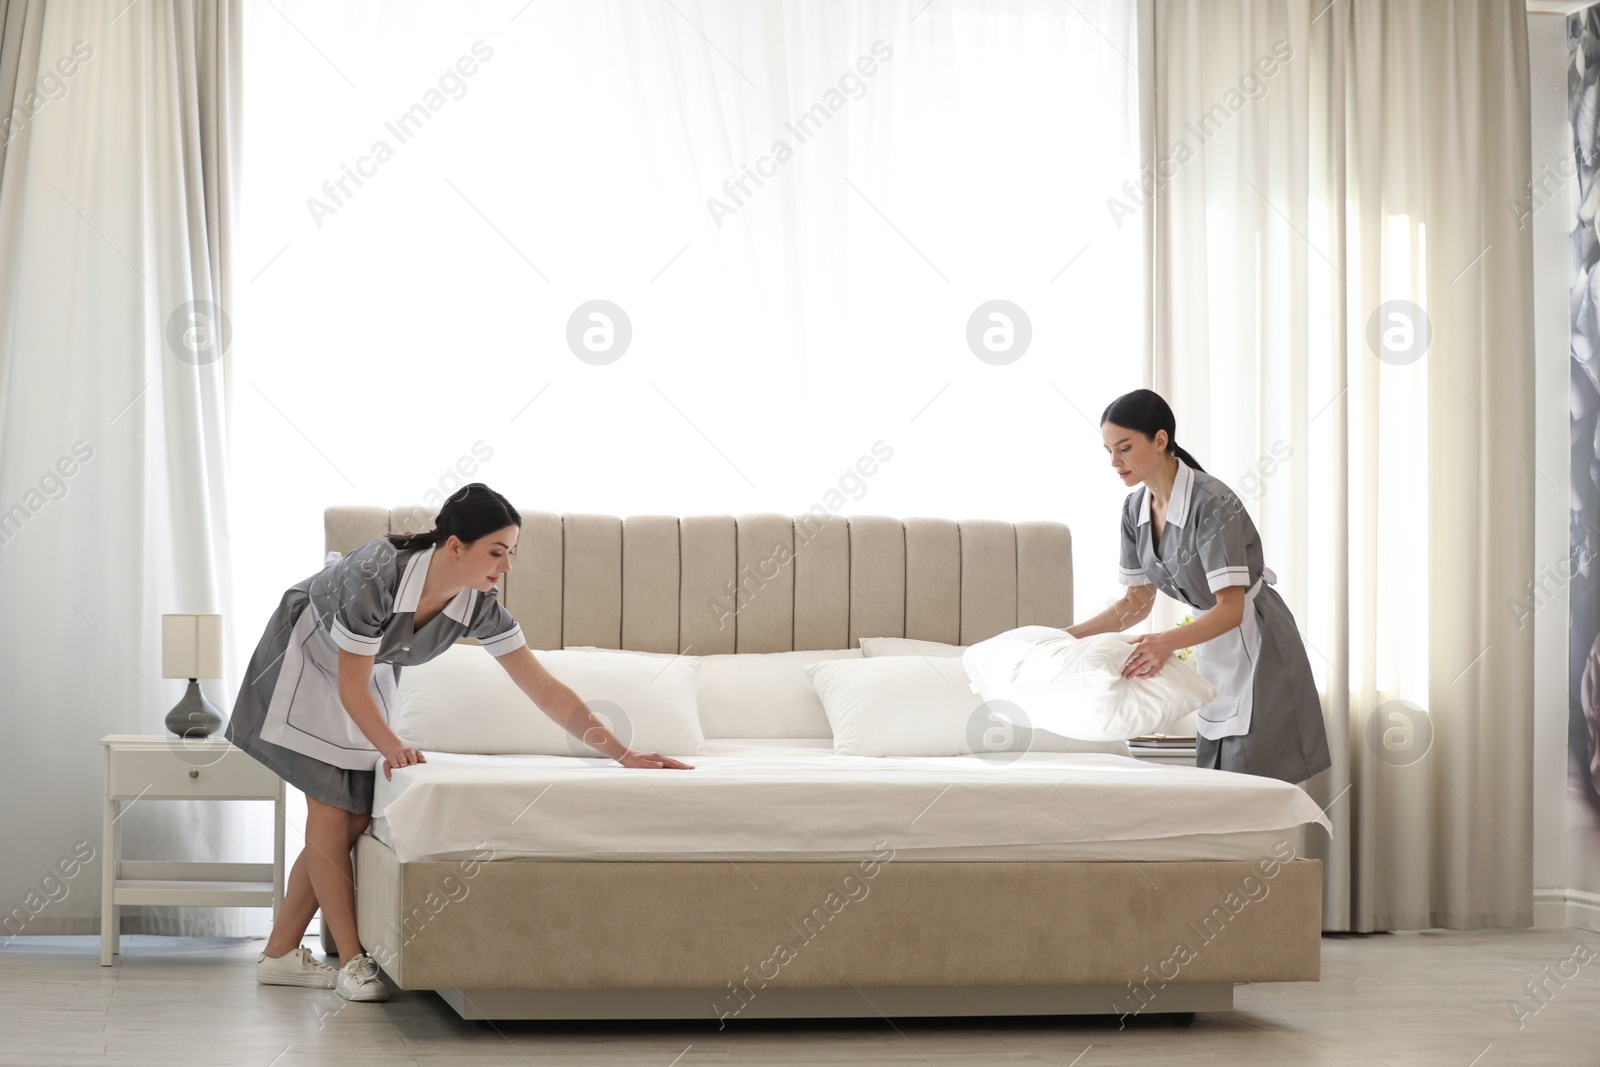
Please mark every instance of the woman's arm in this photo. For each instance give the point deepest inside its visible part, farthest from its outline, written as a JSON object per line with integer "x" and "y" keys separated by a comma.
{"x": 1224, "y": 615}
{"x": 355, "y": 693}
{"x": 1134, "y": 607}
{"x": 567, "y": 710}
{"x": 1152, "y": 650}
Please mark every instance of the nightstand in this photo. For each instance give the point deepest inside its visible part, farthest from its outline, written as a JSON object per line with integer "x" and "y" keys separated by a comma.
{"x": 169, "y": 767}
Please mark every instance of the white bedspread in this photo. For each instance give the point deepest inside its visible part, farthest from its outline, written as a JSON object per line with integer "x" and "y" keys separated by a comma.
{"x": 784, "y": 800}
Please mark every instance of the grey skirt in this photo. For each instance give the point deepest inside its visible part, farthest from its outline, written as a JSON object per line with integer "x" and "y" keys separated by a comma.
{"x": 1271, "y": 749}
{"x": 335, "y": 786}
{"x": 1287, "y": 739}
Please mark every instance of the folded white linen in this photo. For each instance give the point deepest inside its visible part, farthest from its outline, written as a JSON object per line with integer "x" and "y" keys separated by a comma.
{"x": 1042, "y": 677}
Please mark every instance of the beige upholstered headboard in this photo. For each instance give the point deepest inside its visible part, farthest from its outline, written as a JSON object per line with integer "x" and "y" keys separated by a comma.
{"x": 708, "y": 584}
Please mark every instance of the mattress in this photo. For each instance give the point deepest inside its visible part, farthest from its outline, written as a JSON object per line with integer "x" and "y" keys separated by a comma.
{"x": 788, "y": 800}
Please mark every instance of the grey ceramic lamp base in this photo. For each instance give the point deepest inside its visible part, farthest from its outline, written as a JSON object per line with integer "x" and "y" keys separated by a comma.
{"x": 194, "y": 715}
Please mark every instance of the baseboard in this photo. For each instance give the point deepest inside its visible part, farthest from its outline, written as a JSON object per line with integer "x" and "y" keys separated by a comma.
{"x": 1582, "y": 910}
{"x": 1554, "y": 908}
{"x": 1550, "y": 908}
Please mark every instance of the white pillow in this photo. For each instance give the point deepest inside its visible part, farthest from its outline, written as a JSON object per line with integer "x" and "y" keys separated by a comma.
{"x": 1075, "y": 688}
{"x": 907, "y": 646}
{"x": 1003, "y": 735}
{"x": 910, "y": 706}
{"x": 464, "y": 701}
{"x": 764, "y": 694}
{"x": 760, "y": 694}
{"x": 898, "y": 705}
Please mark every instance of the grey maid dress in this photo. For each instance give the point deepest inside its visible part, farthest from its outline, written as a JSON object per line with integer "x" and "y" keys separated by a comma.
{"x": 288, "y": 714}
{"x": 1267, "y": 717}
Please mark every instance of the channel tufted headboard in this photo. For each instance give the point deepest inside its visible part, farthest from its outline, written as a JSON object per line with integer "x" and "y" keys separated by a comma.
{"x": 709, "y": 584}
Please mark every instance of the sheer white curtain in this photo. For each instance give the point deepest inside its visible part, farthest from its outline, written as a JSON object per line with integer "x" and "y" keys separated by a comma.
{"x": 933, "y": 158}
{"x": 1344, "y": 329}
{"x": 116, "y": 192}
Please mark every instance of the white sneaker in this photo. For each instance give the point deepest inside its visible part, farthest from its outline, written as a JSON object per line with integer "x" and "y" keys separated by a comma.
{"x": 358, "y": 980}
{"x": 295, "y": 968}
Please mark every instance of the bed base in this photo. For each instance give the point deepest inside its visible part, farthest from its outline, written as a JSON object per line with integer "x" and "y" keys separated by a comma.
{"x": 894, "y": 1002}
{"x": 529, "y": 939}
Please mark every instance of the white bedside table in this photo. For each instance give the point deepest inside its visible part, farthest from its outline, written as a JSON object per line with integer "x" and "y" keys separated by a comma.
{"x": 171, "y": 768}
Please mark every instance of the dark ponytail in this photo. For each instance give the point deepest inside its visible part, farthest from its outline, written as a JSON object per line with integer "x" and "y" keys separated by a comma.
{"x": 1145, "y": 411}
{"x": 471, "y": 512}
{"x": 1183, "y": 454}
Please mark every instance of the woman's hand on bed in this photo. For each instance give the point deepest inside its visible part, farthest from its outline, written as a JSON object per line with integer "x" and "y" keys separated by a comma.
{"x": 401, "y": 757}
{"x": 1149, "y": 652}
{"x": 631, "y": 758}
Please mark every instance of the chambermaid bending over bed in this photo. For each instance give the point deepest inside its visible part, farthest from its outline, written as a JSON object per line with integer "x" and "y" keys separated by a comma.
{"x": 853, "y": 840}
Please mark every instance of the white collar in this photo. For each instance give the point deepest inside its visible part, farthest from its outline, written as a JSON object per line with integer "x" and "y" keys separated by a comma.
{"x": 1178, "y": 502}
{"x": 409, "y": 594}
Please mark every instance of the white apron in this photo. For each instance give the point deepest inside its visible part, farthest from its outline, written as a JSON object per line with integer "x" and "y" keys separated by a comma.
{"x": 1228, "y": 661}
{"x": 306, "y": 714}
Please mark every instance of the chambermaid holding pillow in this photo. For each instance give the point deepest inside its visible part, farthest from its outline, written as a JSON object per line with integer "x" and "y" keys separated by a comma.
{"x": 1187, "y": 534}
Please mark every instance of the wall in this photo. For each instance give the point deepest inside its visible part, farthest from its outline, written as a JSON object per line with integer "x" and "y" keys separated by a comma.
{"x": 1551, "y": 221}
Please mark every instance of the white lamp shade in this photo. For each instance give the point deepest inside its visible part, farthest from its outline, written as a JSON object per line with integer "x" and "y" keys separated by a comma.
{"x": 191, "y": 646}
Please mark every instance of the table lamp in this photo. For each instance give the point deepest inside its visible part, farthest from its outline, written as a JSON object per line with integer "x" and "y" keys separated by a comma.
{"x": 191, "y": 647}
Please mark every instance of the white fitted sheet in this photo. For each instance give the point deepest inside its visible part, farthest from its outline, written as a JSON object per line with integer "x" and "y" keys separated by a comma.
{"x": 770, "y": 800}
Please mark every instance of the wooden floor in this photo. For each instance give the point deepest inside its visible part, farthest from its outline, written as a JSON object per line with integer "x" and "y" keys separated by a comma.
{"x": 1414, "y": 999}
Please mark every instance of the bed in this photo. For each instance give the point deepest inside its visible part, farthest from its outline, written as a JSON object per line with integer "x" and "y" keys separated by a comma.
{"x": 780, "y": 879}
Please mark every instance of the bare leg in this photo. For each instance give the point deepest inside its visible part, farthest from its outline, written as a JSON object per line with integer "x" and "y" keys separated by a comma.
{"x": 358, "y": 824}
{"x": 327, "y": 859}
{"x": 294, "y": 914}
{"x": 299, "y": 899}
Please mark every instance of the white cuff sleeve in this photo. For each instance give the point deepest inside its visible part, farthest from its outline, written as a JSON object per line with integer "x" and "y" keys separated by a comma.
{"x": 354, "y": 642}
{"x": 1223, "y": 577}
{"x": 500, "y": 644}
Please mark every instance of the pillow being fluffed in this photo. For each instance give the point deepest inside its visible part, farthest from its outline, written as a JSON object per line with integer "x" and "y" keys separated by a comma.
{"x": 1039, "y": 676}
{"x": 464, "y": 701}
{"x": 916, "y": 706}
